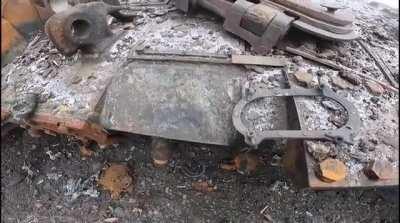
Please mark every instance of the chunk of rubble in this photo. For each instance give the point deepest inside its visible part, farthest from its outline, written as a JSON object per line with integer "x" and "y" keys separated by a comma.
{"x": 331, "y": 170}
{"x": 304, "y": 78}
{"x": 116, "y": 179}
{"x": 375, "y": 88}
{"x": 379, "y": 170}
{"x": 297, "y": 60}
{"x": 340, "y": 83}
{"x": 319, "y": 150}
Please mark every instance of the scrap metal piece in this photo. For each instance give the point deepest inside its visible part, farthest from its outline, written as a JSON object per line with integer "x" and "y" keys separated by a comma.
{"x": 82, "y": 27}
{"x": 81, "y": 129}
{"x": 315, "y": 20}
{"x": 380, "y": 170}
{"x": 313, "y": 58}
{"x": 266, "y": 36}
{"x": 380, "y": 63}
{"x": 179, "y": 101}
{"x": 258, "y": 60}
{"x": 264, "y": 24}
{"x": 117, "y": 178}
{"x": 331, "y": 170}
{"x": 20, "y": 19}
{"x": 178, "y": 56}
{"x": 344, "y": 134}
{"x": 12, "y": 42}
{"x": 338, "y": 67}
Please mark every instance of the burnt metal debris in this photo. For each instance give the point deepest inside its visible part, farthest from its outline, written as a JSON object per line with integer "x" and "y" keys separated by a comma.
{"x": 264, "y": 24}
{"x": 182, "y": 56}
{"x": 84, "y": 27}
{"x": 173, "y": 94}
{"x": 344, "y": 134}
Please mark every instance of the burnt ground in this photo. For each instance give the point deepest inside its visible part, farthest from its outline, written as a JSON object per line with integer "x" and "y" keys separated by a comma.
{"x": 46, "y": 180}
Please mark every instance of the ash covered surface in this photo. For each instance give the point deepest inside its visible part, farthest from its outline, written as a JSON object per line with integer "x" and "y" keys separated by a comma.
{"x": 45, "y": 180}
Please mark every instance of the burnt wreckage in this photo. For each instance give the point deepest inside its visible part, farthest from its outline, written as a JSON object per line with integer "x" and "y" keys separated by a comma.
{"x": 178, "y": 95}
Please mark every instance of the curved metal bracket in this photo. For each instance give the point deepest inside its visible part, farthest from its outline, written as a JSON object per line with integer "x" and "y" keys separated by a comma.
{"x": 343, "y": 134}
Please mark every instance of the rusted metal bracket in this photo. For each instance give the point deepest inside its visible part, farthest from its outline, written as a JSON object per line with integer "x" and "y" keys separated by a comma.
{"x": 84, "y": 27}
{"x": 344, "y": 134}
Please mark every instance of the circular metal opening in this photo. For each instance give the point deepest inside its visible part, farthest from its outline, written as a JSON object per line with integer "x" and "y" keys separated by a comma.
{"x": 80, "y": 28}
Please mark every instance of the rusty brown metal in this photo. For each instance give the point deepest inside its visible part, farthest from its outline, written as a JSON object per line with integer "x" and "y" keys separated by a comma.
{"x": 379, "y": 170}
{"x": 331, "y": 170}
{"x": 50, "y": 124}
{"x": 12, "y": 42}
{"x": 81, "y": 129}
{"x": 83, "y": 26}
{"x": 300, "y": 166}
{"x": 22, "y": 15}
{"x": 20, "y": 19}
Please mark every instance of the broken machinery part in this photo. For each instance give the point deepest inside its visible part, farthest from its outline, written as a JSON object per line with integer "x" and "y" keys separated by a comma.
{"x": 344, "y": 134}
{"x": 84, "y": 27}
{"x": 265, "y": 23}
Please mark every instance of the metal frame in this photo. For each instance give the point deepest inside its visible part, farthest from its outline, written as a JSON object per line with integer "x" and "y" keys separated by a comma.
{"x": 344, "y": 134}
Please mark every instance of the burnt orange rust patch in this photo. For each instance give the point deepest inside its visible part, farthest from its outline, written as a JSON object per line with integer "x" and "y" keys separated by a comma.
{"x": 19, "y": 12}
{"x": 70, "y": 126}
{"x": 10, "y": 37}
{"x": 331, "y": 170}
{"x": 116, "y": 179}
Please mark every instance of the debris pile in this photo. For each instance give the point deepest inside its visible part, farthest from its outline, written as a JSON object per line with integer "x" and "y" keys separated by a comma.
{"x": 160, "y": 73}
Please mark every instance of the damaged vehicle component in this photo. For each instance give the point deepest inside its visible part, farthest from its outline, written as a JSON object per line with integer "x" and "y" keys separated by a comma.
{"x": 84, "y": 27}
{"x": 264, "y": 24}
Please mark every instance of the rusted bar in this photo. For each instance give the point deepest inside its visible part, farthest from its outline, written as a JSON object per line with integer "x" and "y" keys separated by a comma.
{"x": 381, "y": 65}
{"x": 337, "y": 67}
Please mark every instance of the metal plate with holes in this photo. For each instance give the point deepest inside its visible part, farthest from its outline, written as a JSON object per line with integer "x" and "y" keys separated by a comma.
{"x": 345, "y": 133}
